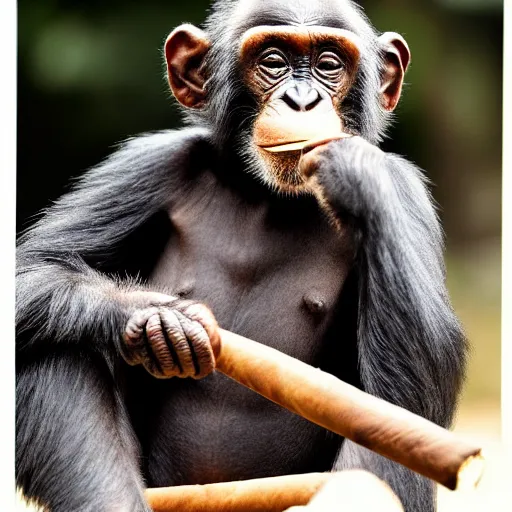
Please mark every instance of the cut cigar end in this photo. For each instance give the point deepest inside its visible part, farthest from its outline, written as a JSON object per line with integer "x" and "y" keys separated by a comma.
{"x": 470, "y": 473}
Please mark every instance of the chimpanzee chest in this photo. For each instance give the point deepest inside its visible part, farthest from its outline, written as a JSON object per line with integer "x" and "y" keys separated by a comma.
{"x": 271, "y": 271}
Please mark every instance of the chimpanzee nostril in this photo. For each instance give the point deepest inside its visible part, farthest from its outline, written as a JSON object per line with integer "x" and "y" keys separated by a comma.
{"x": 312, "y": 99}
{"x": 302, "y": 98}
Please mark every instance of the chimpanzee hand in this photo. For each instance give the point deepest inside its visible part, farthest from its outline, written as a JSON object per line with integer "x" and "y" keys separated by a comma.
{"x": 171, "y": 337}
{"x": 348, "y": 176}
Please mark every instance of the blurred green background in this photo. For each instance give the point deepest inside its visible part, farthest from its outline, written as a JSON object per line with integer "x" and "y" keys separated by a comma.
{"x": 91, "y": 74}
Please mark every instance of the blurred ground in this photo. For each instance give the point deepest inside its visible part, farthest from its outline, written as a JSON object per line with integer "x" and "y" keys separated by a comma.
{"x": 474, "y": 277}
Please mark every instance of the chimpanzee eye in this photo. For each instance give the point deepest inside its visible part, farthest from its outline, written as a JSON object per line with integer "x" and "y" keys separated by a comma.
{"x": 274, "y": 63}
{"x": 329, "y": 63}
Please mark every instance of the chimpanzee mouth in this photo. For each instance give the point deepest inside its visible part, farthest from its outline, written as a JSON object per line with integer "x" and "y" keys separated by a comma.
{"x": 304, "y": 145}
{"x": 289, "y": 146}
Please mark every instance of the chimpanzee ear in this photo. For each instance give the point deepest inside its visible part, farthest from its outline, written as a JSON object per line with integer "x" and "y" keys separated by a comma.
{"x": 397, "y": 58}
{"x": 185, "y": 50}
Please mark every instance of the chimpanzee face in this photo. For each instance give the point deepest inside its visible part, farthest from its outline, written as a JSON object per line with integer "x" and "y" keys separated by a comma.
{"x": 300, "y": 78}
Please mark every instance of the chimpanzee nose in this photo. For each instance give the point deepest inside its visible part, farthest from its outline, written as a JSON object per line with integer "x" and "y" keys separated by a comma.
{"x": 302, "y": 98}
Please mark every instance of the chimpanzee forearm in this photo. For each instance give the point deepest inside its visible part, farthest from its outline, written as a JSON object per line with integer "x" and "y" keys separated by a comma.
{"x": 411, "y": 346}
{"x": 68, "y": 301}
{"x": 63, "y": 291}
{"x": 408, "y": 314}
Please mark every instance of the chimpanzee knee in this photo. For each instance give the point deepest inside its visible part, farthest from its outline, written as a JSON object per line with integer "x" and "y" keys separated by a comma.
{"x": 75, "y": 449}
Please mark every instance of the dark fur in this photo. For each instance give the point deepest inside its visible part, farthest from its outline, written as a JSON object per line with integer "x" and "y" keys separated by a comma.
{"x": 391, "y": 331}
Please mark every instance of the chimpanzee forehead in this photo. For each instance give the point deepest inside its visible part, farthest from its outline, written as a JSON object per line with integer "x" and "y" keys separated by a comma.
{"x": 327, "y": 13}
{"x": 300, "y": 39}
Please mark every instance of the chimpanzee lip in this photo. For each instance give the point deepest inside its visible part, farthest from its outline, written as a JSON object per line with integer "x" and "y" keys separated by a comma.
{"x": 304, "y": 145}
{"x": 287, "y": 146}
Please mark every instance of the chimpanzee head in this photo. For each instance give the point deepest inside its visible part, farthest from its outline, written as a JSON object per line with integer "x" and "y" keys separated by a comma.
{"x": 266, "y": 76}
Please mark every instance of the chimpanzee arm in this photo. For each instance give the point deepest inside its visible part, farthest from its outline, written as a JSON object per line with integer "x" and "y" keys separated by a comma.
{"x": 411, "y": 347}
{"x": 63, "y": 290}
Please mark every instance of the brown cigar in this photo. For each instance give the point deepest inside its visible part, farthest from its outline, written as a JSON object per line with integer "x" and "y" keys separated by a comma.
{"x": 339, "y": 407}
{"x": 261, "y": 495}
{"x": 348, "y": 491}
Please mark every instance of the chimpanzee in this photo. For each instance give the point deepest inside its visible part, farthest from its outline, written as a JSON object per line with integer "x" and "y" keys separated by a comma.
{"x": 261, "y": 216}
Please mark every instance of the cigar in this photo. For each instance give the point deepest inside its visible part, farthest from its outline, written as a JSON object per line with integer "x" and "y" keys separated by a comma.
{"x": 306, "y": 145}
{"x": 387, "y": 429}
{"x": 273, "y": 494}
{"x": 354, "y": 490}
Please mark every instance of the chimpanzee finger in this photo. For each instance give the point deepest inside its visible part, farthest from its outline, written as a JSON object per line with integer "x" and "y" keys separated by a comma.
{"x": 199, "y": 342}
{"x": 134, "y": 346}
{"x": 177, "y": 342}
{"x": 204, "y": 316}
{"x": 163, "y": 363}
